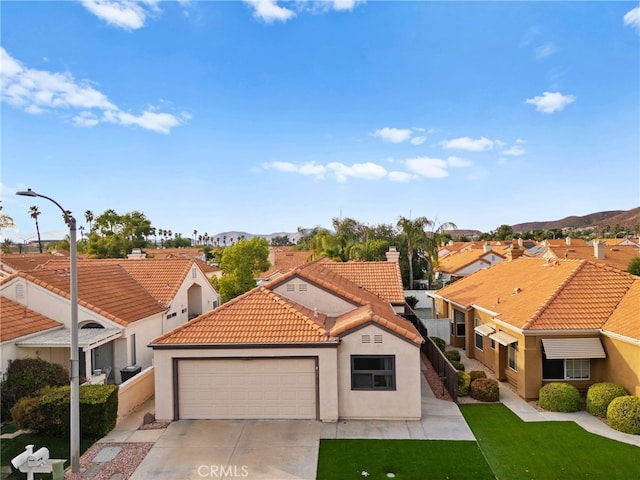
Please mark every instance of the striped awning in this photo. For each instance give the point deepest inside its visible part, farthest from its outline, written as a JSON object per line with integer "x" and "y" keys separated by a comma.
{"x": 561, "y": 348}
{"x": 485, "y": 329}
{"x": 503, "y": 338}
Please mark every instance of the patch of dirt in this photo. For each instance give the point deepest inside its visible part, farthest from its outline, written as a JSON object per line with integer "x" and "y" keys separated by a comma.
{"x": 434, "y": 381}
{"x": 125, "y": 462}
{"x": 154, "y": 426}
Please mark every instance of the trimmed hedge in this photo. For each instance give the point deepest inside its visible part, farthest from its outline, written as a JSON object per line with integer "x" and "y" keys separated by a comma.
{"x": 457, "y": 365}
{"x": 25, "y": 376}
{"x": 559, "y": 397}
{"x": 600, "y": 395}
{"x": 452, "y": 355}
{"x": 463, "y": 383}
{"x": 485, "y": 389}
{"x": 440, "y": 343}
{"x": 49, "y": 412}
{"x": 476, "y": 374}
{"x": 623, "y": 414}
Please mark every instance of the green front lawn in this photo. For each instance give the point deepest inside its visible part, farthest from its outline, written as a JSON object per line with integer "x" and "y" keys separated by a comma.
{"x": 544, "y": 450}
{"x": 507, "y": 449}
{"x": 406, "y": 459}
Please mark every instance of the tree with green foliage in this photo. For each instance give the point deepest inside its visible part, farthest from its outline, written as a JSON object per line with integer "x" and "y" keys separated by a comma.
{"x": 114, "y": 235}
{"x": 280, "y": 241}
{"x": 414, "y": 237}
{"x": 240, "y": 265}
{"x": 34, "y": 212}
{"x": 634, "y": 266}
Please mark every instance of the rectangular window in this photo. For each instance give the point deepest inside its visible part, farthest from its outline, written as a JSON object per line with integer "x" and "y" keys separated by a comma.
{"x": 133, "y": 349}
{"x": 479, "y": 338}
{"x": 566, "y": 369}
{"x": 460, "y": 326}
{"x": 373, "y": 372}
{"x": 513, "y": 356}
{"x": 493, "y": 344}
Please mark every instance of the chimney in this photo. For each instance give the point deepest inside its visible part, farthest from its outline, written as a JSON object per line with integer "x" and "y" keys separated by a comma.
{"x": 598, "y": 250}
{"x": 514, "y": 252}
{"x": 520, "y": 242}
{"x": 272, "y": 256}
{"x": 486, "y": 248}
{"x": 393, "y": 255}
{"x": 568, "y": 240}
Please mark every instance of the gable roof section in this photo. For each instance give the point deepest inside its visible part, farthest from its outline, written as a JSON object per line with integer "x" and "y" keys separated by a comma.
{"x": 617, "y": 256}
{"x": 625, "y": 319}
{"x": 17, "y": 321}
{"x": 260, "y": 316}
{"x": 285, "y": 259}
{"x": 381, "y": 278}
{"x": 456, "y": 261}
{"x": 27, "y": 261}
{"x": 105, "y": 288}
{"x": 539, "y": 294}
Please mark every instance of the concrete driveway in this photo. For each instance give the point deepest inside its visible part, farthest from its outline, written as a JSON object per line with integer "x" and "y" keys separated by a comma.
{"x": 216, "y": 449}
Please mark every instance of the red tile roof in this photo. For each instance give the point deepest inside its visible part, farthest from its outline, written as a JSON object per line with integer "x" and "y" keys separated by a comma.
{"x": 17, "y": 321}
{"x": 625, "y": 319}
{"x": 24, "y": 262}
{"x": 382, "y": 278}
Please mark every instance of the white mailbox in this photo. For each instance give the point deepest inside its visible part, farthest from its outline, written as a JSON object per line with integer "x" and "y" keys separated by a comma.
{"x": 31, "y": 462}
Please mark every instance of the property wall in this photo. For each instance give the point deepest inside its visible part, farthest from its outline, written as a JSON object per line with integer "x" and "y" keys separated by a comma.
{"x": 327, "y": 374}
{"x": 623, "y": 363}
{"x": 405, "y": 402}
{"x": 134, "y": 392}
{"x": 314, "y": 297}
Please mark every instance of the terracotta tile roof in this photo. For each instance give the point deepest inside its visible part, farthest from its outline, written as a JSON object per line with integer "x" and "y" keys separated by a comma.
{"x": 17, "y": 321}
{"x": 562, "y": 242}
{"x": 382, "y": 278}
{"x": 161, "y": 277}
{"x": 617, "y": 257}
{"x": 612, "y": 242}
{"x": 260, "y": 316}
{"x": 161, "y": 253}
{"x": 540, "y": 294}
{"x": 285, "y": 259}
{"x": 625, "y": 319}
{"x": 456, "y": 261}
{"x": 105, "y": 288}
{"x": 15, "y": 262}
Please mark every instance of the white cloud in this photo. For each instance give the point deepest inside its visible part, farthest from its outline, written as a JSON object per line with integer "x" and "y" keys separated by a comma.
{"x": 514, "y": 151}
{"x": 418, "y": 140}
{"x": 401, "y": 176}
{"x": 119, "y": 13}
{"x": 310, "y": 168}
{"x": 367, "y": 171}
{"x": 458, "y": 162}
{"x": 393, "y": 135}
{"x": 632, "y": 18}
{"x": 269, "y": 10}
{"x": 40, "y": 91}
{"x": 551, "y": 102}
{"x": 469, "y": 144}
{"x": 428, "y": 167}
{"x": 544, "y": 51}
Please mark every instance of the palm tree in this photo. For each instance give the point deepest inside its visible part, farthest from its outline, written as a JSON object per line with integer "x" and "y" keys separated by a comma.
{"x": 434, "y": 239}
{"x": 412, "y": 232}
{"x": 195, "y": 233}
{"x": 35, "y": 213}
{"x": 88, "y": 216}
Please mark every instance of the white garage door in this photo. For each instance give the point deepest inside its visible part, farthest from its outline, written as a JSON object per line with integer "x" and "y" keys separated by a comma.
{"x": 254, "y": 388}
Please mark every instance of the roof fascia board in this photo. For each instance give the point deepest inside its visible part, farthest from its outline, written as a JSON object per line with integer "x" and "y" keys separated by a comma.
{"x": 226, "y": 346}
{"x": 381, "y": 327}
{"x": 562, "y": 333}
{"x": 485, "y": 310}
{"x": 622, "y": 338}
{"x": 31, "y": 335}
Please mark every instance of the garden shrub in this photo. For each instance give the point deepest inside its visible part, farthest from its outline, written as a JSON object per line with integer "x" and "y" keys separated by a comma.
{"x": 25, "y": 377}
{"x": 452, "y": 355}
{"x": 623, "y": 414}
{"x": 440, "y": 343}
{"x": 559, "y": 397}
{"x": 411, "y": 301}
{"x": 599, "y": 397}
{"x": 485, "y": 389}
{"x": 476, "y": 374}
{"x": 463, "y": 383}
{"x": 48, "y": 411}
{"x": 457, "y": 365}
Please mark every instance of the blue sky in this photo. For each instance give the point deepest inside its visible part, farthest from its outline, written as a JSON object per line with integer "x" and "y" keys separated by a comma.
{"x": 264, "y": 116}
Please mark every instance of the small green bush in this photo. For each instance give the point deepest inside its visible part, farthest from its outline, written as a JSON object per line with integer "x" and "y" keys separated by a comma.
{"x": 452, "y": 355}
{"x": 599, "y": 397}
{"x": 559, "y": 397}
{"x": 25, "y": 414}
{"x": 440, "y": 343}
{"x": 99, "y": 409}
{"x": 463, "y": 383}
{"x": 411, "y": 301}
{"x": 485, "y": 389}
{"x": 476, "y": 374}
{"x": 25, "y": 377}
{"x": 457, "y": 365}
{"x": 623, "y": 414}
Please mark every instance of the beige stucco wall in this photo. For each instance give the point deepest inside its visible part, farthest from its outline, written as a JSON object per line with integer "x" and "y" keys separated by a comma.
{"x": 134, "y": 392}
{"x": 314, "y": 297}
{"x": 327, "y": 374}
{"x": 623, "y": 365}
{"x": 404, "y": 402}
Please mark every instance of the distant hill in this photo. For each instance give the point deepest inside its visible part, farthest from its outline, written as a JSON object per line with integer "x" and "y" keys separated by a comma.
{"x": 233, "y": 236}
{"x": 626, "y": 218}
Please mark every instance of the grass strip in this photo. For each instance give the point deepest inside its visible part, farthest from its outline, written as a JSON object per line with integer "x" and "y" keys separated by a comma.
{"x": 546, "y": 450}
{"x": 405, "y": 459}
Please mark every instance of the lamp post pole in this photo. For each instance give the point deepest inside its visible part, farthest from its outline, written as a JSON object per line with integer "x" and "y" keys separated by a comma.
{"x": 75, "y": 382}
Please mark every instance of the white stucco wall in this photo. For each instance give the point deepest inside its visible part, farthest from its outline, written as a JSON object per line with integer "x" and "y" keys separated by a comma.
{"x": 405, "y": 402}
{"x": 327, "y": 374}
{"x": 314, "y": 297}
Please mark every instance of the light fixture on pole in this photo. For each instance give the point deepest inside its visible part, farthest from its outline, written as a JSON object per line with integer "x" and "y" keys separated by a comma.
{"x": 75, "y": 383}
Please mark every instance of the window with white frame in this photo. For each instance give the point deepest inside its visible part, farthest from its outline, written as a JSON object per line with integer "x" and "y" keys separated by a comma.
{"x": 566, "y": 369}
{"x": 479, "y": 337}
{"x": 458, "y": 317}
{"x": 373, "y": 372}
{"x": 513, "y": 356}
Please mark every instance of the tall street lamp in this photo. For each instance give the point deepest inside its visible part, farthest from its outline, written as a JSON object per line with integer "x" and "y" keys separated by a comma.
{"x": 75, "y": 384}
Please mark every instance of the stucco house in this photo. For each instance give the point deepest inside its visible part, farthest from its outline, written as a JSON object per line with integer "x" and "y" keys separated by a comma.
{"x": 532, "y": 321}
{"x": 466, "y": 261}
{"x": 122, "y": 306}
{"x": 323, "y": 341}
